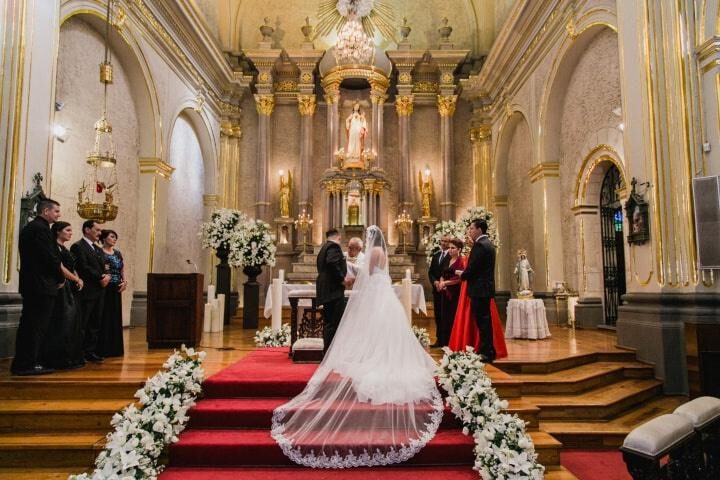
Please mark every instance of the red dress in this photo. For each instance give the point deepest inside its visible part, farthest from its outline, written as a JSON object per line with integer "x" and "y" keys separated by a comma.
{"x": 465, "y": 331}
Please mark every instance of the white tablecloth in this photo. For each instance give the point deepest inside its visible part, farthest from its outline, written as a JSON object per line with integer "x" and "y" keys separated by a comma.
{"x": 526, "y": 319}
{"x": 417, "y": 292}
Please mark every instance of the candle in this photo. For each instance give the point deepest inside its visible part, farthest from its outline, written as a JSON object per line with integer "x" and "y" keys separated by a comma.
{"x": 281, "y": 275}
{"x": 221, "y": 312}
{"x": 406, "y": 297}
{"x": 215, "y": 315}
{"x": 276, "y": 292}
{"x": 408, "y": 275}
{"x": 211, "y": 293}
{"x": 207, "y": 318}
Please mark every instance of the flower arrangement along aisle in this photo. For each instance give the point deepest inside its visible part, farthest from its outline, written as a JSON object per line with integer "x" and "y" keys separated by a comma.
{"x": 267, "y": 337}
{"x": 245, "y": 242}
{"x": 422, "y": 335}
{"x": 142, "y": 433}
{"x": 503, "y": 450}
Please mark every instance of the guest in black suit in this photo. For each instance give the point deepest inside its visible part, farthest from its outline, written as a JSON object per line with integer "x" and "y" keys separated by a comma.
{"x": 330, "y": 292}
{"x": 92, "y": 269}
{"x": 480, "y": 275}
{"x": 438, "y": 264}
{"x": 40, "y": 279}
{"x": 63, "y": 345}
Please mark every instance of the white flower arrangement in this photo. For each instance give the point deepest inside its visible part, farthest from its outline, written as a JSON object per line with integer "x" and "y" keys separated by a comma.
{"x": 248, "y": 242}
{"x": 447, "y": 227}
{"x": 482, "y": 213}
{"x": 422, "y": 335}
{"x": 503, "y": 450}
{"x": 142, "y": 433}
{"x": 252, "y": 245}
{"x": 361, "y": 8}
{"x": 267, "y": 337}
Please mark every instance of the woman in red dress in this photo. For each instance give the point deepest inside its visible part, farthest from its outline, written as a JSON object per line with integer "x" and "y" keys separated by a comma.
{"x": 465, "y": 331}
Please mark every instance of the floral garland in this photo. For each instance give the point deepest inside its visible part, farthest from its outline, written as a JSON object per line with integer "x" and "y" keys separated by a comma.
{"x": 503, "y": 450}
{"x": 422, "y": 335}
{"x": 267, "y": 337}
{"x": 141, "y": 433}
{"x": 248, "y": 242}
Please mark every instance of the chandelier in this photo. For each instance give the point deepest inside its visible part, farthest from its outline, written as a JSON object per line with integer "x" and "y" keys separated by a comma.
{"x": 97, "y": 195}
{"x": 353, "y": 44}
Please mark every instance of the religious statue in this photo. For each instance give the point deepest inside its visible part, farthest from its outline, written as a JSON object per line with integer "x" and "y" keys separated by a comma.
{"x": 285, "y": 194}
{"x": 356, "y": 128}
{"x": 426, "y": 191}
{"x": 353, "y": 212}
{"x": 523, "y": 274}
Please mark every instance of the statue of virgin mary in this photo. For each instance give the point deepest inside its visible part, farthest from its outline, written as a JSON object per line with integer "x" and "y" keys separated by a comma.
{"x": 356, "y": 127}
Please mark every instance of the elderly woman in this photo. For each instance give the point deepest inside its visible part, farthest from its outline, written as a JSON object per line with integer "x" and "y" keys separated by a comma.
{"x": 110, "y": 338}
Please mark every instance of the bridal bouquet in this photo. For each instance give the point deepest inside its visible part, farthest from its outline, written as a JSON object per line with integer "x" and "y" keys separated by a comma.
{"x": 503, "y": 450}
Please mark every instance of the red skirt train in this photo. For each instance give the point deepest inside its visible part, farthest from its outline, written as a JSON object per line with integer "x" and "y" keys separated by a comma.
{"x": 465, "y": 331}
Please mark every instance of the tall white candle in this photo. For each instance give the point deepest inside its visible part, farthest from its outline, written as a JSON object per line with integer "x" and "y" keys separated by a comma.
{"x": 215, "y": 316}
{"x": 281, "y": 275}
{"x": 207, "y": 318}
{"x": 221, "y": 312}
{"x": 406, "y": 297}
{"x": 211, "y": 293}
{"x": 276, "y": 292}
{"x": 408, "y": 274}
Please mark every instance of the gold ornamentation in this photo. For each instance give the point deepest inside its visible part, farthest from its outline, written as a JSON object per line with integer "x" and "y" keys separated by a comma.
{"x": 332, "y": 97}
{"x": 447, "y": 78}
{"x": 404, "y": 105}
{"x": 405, "y": 77}
{"x": 446, "y": 105}
{"x": 285, "y": 194}
{"x": 264, "y": 104}
{"x": 230, "y": 129}
{"x": 306, "y": 77}
{"x": 481, "y": 133}
{"x": 426, "y": 192}
{"x": 286, "y": 86}
{"x": 120, "y": 17}
{"x": 263, "y": 77}
{"x": 571, "y": 29}
{"x": 156, "y": 166}
{"x": 306, "y": 104}
{"x": 425, "y": 87}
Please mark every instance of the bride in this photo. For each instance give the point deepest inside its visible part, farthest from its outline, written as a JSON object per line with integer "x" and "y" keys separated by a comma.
{"x": 373, "y": 399}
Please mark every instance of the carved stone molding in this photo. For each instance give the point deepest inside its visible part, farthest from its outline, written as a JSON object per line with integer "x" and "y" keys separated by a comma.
{"x": 264, "y": 104}
{"x": 481, "y": 133}
{"x": 404, "y": 105}
{"x": 446, "y": 105}
{"x": 229, "y": 128}
{"x": 306, "y": 104}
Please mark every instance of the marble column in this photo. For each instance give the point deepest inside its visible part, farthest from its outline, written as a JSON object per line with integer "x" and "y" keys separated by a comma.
{"x": 265, "y": 104}
{"x": 306, "y": 106}
{"x": 404, "y": 109}
{"x": 547, "y": 229}
{"x": 504, "y": 259}
{"x": 446, "y": 107}
{"x": 482, "y": 165}
{"x": 377, "y": 98}
{"x": 332, "y": 97}
{"x": 230, "y": 134}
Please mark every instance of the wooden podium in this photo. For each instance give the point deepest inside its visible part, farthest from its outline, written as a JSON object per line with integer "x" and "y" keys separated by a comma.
{"x": 174, "y": 309}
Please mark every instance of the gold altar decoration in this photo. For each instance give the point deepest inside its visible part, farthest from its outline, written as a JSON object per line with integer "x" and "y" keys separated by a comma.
{"x": 404, "y": 105}
{"x": 426, "y": 191}
{"x": 306, "y": 104}
{"x": 446, "y": 105}
{"x": 304, "y": 223}
{"x": 285, "y": 193}
{"x": 264, "y": 104}
{"x": 403, "y": 223}
{"x": 97, "y": 195}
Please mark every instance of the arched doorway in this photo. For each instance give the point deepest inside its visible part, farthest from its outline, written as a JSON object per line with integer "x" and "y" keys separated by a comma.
{"x": 613, "y": 253}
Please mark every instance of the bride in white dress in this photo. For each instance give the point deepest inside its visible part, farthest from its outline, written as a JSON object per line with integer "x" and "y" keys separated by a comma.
{"x": 373, "y": 399}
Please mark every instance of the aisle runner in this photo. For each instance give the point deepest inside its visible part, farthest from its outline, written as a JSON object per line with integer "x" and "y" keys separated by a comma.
{"x": 229, "y": 431}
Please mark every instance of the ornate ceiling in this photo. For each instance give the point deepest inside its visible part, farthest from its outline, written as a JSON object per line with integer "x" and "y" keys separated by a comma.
{"x": 235, "y": 23}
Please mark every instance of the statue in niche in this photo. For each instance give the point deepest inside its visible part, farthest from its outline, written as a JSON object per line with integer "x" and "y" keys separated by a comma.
{"x": 285, "y": 194}
{"x": 426, "y": 191}
{"x": 356, "y": 128}
{"x": 353, "y": 212}
{"x": 523, "y": 274}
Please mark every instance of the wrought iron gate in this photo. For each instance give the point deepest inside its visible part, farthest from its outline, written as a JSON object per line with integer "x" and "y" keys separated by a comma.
{"x": 611, "y": 229}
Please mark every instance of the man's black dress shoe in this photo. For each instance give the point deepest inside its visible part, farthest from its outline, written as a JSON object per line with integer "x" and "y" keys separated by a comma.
{"x": 36, "y": 370}
{"x": 94, "y": 358}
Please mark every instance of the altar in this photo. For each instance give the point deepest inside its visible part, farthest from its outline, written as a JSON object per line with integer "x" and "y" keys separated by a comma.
{"x": 417, "y": 299}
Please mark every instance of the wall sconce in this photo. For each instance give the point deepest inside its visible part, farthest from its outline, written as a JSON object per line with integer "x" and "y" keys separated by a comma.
{"x": 60, "y": 133}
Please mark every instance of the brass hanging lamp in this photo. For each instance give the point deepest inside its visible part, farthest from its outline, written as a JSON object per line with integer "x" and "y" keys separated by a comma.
{"x": 97, "y": 198}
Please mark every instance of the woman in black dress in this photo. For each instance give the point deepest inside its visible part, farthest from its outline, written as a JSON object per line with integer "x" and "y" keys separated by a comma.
{"x": 63, "y": 345}
{"x": 110, "y": 337}
{"x": 450, "y": 290}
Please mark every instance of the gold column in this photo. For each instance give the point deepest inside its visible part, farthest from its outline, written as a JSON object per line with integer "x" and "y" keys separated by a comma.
{"x": 230, "y": 134}
{"x": 481, "y": 138}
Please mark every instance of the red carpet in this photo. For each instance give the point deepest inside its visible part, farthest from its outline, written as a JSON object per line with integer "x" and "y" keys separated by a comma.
{"x": 595, "y": 465}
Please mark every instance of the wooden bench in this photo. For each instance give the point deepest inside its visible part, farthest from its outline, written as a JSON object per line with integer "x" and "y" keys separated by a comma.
{"x": 704, "y": 414}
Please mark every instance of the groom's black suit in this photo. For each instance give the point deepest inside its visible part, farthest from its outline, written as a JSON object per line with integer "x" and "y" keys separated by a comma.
{"x": 480, "y": 275}
{"x": 330, "y": 290}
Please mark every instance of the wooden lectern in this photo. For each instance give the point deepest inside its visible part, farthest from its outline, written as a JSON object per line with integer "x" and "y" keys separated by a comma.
{"x": 174, "y": 309}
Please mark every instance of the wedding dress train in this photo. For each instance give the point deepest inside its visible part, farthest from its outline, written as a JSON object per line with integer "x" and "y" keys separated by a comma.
{"x": 373, "y": 399}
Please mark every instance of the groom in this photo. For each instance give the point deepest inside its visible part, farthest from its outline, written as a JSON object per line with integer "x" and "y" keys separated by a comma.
{"x": 330, "y": 290}
{"x": 480, "y": 275}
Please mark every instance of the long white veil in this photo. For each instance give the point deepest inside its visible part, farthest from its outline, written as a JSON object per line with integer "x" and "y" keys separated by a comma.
{"x": 373, "y": 399}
